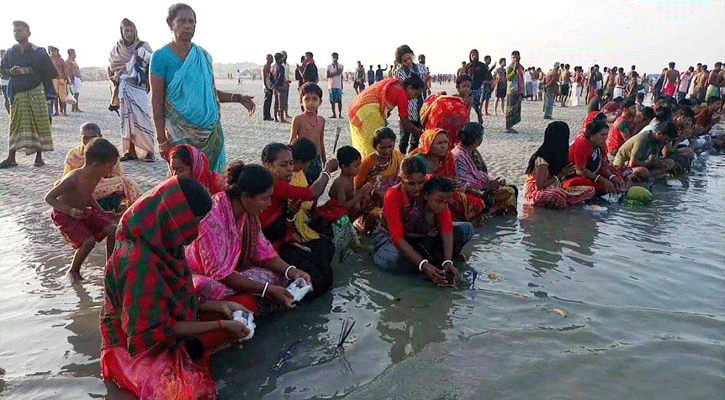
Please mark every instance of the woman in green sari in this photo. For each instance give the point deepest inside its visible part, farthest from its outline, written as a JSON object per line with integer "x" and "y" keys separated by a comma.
{"x": 184, "y": 99}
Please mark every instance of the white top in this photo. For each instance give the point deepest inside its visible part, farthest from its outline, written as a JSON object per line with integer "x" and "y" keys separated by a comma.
{"x": 288, "y": 72}
{"x": 335, "y": 82}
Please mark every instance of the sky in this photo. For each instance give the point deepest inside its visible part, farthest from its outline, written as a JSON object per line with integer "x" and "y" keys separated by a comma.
{"x": 606, "y": 32}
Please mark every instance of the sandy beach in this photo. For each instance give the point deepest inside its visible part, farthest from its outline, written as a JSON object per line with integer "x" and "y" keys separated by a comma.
{"x": 630, "y": 313}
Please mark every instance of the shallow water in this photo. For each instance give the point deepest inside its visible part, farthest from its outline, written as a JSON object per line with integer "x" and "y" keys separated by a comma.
{"x": 642, "y": 289}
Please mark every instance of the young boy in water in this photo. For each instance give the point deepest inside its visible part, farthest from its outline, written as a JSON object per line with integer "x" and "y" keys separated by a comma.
{"x": 463, "y": 86}
{"x": 76, "y": 213}
{"x": 343, "y": 187}
{"x": 311, "y": 126}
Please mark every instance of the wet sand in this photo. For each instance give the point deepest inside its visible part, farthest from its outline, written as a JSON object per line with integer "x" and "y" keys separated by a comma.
{"x": 49, "y": 340}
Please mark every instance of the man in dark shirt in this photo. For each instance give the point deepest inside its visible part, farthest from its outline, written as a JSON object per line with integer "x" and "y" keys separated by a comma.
{"x": 380, "y": 73}
{"x": 481, "y": 81}
{"x": 310, "y": 73}
{"x": 30, "y": 74}
{"x": 371, "y": 76}
{"x": 268, "y": 91}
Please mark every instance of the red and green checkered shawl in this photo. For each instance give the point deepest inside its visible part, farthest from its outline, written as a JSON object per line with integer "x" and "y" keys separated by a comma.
{"x": 148, "y": 285}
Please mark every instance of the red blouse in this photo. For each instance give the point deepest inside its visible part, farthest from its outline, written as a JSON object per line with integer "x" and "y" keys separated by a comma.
{"x": 393, "y": 208}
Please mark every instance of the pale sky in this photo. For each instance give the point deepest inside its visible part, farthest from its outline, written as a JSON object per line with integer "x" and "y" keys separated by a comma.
{"x": 609, "y": 33}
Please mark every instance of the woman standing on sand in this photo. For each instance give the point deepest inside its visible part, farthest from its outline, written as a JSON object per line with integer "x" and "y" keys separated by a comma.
{"x": 128, "y": 73}
{"x": 369, "y": 109}
{"x": 184, "y": 99}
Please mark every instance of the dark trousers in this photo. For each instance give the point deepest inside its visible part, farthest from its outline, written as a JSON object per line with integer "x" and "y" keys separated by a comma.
{"x": 268, "y": 95}
{"x": 406, "y": 137}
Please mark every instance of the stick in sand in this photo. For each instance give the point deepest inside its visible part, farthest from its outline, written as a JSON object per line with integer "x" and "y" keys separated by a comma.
{"x": 337, "y": 136}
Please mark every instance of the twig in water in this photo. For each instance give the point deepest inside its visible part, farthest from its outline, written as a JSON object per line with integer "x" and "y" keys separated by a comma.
{"x": 345, "y": 332}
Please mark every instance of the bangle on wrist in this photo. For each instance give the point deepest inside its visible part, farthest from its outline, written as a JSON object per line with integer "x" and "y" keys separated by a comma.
{"x": 287, "y": 270}
{"x": 597, "y": 178}
{"x": 420, "y": 266}
{"x": 264, "y": 291}
{"x": 447, "y": 262}
{"x": 328, "y": 175}
{"x": 557, "y": 178}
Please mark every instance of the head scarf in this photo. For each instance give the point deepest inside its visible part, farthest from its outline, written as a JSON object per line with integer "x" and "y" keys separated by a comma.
{"x": 200, "y": 171}
{"x": 555, "y": 149}
{"x": 148, "y": 286}
{"x": 122, "y": 52}
{"x": 447, "y": 167}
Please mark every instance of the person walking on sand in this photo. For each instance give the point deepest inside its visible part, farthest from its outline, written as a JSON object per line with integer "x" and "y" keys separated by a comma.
{"x": 74, "y": 76}
{"x": 551, "y": 83}
{"x": 515, "y": 78}
{"x": 310, "y": 73}
{"x": 334, "y": 84}
{"x": 30, "y": 73}
{"x": 268, "y": 93}
{"x": 59, "y": 83}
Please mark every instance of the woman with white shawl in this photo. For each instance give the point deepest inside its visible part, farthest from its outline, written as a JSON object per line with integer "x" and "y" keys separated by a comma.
{"x": 128, "y": 72}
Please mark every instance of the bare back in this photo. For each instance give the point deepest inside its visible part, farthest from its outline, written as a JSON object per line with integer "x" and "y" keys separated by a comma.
{"x": 76, "y": 189}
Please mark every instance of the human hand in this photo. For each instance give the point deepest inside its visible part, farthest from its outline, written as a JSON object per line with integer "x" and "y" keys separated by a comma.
{"x": 608, "y": 185}
{"x": 164, "y": 148}
{"x": 434, "y": 274}
{"x": 568, "y": 170}
{"x": 237, "y": 328}
{"x": 331, "y": 165}
{"x": 77, "y": 214}
{"x": 228, "y": 307}
{"x": 16, "y": 70}
{"x": 367, "y": 188}
{"x": 296, "y": 273}
{"x": 281, "y": 295}
{"x": 452, "y": 274}
{"x": 246, "y": 102}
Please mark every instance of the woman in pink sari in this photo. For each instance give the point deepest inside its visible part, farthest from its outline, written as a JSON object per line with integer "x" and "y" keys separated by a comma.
{"x": 231, "y": 254}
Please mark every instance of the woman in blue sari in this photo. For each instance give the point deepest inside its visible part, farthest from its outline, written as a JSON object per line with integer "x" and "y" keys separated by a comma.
{"x": 184, "y": 99}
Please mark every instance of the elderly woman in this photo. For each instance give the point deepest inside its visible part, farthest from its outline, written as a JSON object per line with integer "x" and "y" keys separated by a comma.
{"x": 184, "y": 99}
{"x": 472, "y": 173}
{"x": 128, "y": 73}
{"x": 153, "y": 343}
{"x": 433, "y": 150}
{"x": 371, "y": 107}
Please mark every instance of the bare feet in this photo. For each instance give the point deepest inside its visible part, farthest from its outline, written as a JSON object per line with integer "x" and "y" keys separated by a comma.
{"x": 8, "y": 163}
{"x": 75, "y": 275}
{"x": 39, "y": 163}
{"x": 511, "y": 130}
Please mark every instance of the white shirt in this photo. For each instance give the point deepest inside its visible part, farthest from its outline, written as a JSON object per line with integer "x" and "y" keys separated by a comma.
{"x": 334, "y": 82}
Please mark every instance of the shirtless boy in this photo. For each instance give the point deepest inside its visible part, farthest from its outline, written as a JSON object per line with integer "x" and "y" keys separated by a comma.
{"x": 311, "y": 126}
{"x": 76, "y": 213}
{"x": 343, "y": 187}
{"x": 672, "y": 81}
{"x": 463, "y": 86}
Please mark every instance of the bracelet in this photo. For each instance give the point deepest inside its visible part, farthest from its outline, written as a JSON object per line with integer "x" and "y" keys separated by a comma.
{"x": 597, "y": 178}
{"x": 557, "y": 178}
{"x": 328, "y": 175}
{"x": 372, "y": 193}
{"x": 163, "y": 143}
{"x": 287, "y": 270}
{"x": 420, "y": 266}
{"x": 446, "y": 262}
{"x": 293, "y": 218}
{"x": 219, "y": 322}
{"x": 264, "y": 291}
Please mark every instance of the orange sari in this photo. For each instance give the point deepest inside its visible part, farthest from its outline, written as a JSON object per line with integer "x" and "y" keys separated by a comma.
{"x": 445, "y": 112}
{"x": 465, "y": 206}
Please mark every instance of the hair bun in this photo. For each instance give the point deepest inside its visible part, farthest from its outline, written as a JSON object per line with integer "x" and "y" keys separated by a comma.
{"x": 234, "y": 169}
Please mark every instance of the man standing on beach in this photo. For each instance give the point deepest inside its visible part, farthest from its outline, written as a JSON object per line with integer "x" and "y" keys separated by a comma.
{"x": 380, "y": 73}
{"x": 287, "y": 82}
{"x": 610, "y": 83}
{"x": 478, "y": 71}
{"x": 30, "y": 70}
{"x": 334, "y": 84}
{"x": 310, "y": 74}
{"x": 565, "y": 84}
{"x": 74, "y": 76}
{"x": 684, "y": 86}
{"x": 268, "y": 93}
{"x": 515, "y": 78}
{"x": 371, "y": 76}
{"x": 551, "y": 84}
{"x": 715, "y": 81}
{"x": 359, "y": 84}
{"x": 4, "y": 85}
{"x": 672, "y": 79}
{"x": 59, "y": 82}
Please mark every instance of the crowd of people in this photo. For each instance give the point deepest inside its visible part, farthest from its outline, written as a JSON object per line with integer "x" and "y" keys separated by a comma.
{"x": 215, "y": 237}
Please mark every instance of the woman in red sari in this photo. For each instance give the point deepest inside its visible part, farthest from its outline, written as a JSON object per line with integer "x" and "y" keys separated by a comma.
{"x": 187, "y": 160}
{"x": 433, "y": 149}
{"x": 153, "y": 343}
{"x": 445, "y": 112}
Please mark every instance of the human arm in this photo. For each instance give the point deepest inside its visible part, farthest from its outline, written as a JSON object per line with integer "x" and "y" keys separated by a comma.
{"x": 196, "y": 328}
{"x": 157, "y": 84}
{"x": 240, "y": 284}
{"x": 410, "y": 127}
{"x": 323, "y": 154}
{"x": 244, "y": 100}
{"x": 318, "y": 187}
{"x": 225, "y": 308}
{"x": 445, "y": 221}
{"x": 66, "y": 185}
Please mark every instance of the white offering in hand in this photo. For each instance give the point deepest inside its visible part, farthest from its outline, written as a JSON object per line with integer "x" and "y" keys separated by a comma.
{"x": 299, "y": 288}
{"x": 247, "y": 319}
